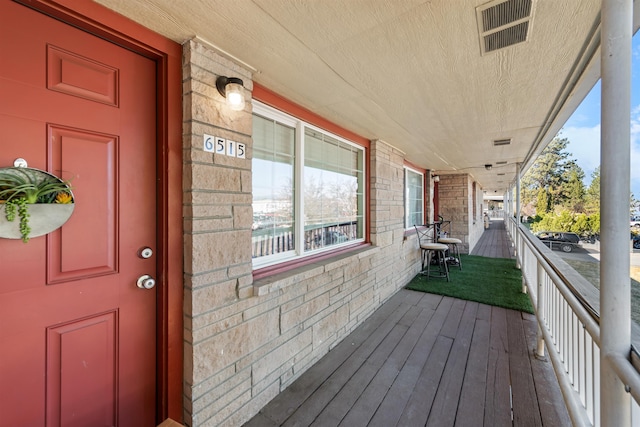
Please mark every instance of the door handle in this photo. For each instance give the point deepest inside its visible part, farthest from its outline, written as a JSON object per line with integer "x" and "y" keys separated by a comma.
{"x": 146, "y": 282}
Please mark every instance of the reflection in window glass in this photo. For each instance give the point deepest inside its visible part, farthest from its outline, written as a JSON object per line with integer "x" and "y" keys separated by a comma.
{"x": 333, "y": 196}
{"x": 303, "y": 205}
{"x": 414, "y": 201}
{"x": 273, "y": 187}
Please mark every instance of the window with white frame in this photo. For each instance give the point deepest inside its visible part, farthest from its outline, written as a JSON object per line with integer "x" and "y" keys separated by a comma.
{"x": 413, "y": 197}
{"x": 308, "y": 189}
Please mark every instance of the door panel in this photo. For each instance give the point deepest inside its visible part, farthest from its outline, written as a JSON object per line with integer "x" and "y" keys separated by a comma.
{"x": 68, "y": 150}
{"x": 77, "y": 334}
{"x": 80, "y": 76}
{"x": 82, "y": 372}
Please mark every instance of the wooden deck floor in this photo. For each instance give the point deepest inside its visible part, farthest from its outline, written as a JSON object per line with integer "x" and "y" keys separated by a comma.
{"x": 424, "y": 359}
{"x": 495, "y": 242}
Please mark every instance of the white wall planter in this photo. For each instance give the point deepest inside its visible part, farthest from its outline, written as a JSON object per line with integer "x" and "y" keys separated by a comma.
{"x": 43, "y": 218}
{"x": 47, "y": 200}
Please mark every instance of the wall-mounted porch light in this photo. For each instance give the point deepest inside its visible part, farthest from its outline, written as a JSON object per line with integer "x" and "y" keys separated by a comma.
{"x": 231, "y": 88}
{"x": 488, "y": 167}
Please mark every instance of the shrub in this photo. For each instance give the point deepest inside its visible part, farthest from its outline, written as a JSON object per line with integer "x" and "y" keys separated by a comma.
{"x": 565, "y": 220}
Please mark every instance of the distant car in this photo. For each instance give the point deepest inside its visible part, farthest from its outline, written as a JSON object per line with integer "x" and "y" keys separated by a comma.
{"x": 559, "y": 239}
{"x": 636, "y": 242}
{"x": 634, "y": 221}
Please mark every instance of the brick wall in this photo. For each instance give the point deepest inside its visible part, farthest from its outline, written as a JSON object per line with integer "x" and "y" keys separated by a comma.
{"x": 246, "y": 341}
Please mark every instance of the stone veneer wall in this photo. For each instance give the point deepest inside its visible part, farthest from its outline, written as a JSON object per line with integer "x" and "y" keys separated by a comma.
{"x": 456, "y": 205}
{"x": 454, "y": 201}
{"x": 246, "y": 341}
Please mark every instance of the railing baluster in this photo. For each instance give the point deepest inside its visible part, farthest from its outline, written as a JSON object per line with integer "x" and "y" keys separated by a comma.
{"x": 590, "y": 373}
{"x": 582, "y": 373}
{"x": 571, "y": 336}
{"x": 575, "y": 325}
{"x": 596, "y": 384}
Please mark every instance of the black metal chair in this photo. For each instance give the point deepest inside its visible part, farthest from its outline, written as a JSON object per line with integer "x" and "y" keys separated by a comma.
{"x": 429, "y": 249}
{"x": 444, "y": 238}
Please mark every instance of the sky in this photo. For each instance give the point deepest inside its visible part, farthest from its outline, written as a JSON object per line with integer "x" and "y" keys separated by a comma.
{"x": 583, "y": 127}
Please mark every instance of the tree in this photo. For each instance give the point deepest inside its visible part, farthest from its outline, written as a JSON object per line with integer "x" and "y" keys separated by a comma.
{"x": 573, "y": 191}
{"x": 551, "y": 173}
{"x": 592, "y": 196}
{"x": 542, "y": 202}
{"x": 634, "y": 205}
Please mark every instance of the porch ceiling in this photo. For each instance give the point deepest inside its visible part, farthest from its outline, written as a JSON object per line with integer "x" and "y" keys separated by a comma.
{"x": 408, "y": 72}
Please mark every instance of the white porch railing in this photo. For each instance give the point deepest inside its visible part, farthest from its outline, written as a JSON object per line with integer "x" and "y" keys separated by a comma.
{"x": 569, "y": 327}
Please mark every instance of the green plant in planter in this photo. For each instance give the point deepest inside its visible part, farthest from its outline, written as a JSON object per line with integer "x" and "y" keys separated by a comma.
{"x": 20, "y": 187}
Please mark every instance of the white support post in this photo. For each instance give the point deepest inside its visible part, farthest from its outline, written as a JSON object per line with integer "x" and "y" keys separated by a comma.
{"x": 505, "y": 209}
{"x": 615, "y": 306}
{"x": 511, "y": 191}
{"x": 518, "y": 214}
{"x": 505, "y": 200}
{"x": 518, "y": 192}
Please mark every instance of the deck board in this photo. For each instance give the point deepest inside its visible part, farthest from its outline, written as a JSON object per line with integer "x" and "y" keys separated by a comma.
{"x": 390, "y": 409}
{"x": 497, "y": 405}
{"x": 424, "y": 359}
{"x": 313, "y": 384}
{"x": 444, "y": 409}
{"x": 417, "y": 409}
{"x": 526, "y": 410}
{"x": 545, "y": 382}
{"x": 472, "y": 397}
{"x": 494, "y": 242}
{"x": 368, "y": 358}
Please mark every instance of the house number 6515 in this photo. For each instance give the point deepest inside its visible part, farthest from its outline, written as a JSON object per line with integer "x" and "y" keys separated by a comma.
{"x": 227, "y": 147}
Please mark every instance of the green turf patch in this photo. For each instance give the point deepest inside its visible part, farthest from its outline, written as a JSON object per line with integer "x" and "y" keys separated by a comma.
{"x": 493, "y": 281}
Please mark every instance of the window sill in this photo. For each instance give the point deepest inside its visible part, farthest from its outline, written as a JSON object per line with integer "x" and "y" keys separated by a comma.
{"x": 283, "y": 276}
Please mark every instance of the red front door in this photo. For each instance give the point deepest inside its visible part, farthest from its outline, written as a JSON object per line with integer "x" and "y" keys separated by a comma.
{"x": 77, "y": 336}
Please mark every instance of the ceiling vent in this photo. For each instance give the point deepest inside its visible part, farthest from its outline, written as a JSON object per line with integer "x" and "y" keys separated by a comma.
{"x": 503, "y": 23}
{"x": 498, "y": 142}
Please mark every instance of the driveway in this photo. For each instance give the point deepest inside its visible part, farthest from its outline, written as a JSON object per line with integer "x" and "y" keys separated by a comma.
{"x": 590, "y": 252}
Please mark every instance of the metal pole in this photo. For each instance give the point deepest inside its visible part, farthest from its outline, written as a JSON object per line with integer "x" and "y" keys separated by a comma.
{"x": 615, "y": 305}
